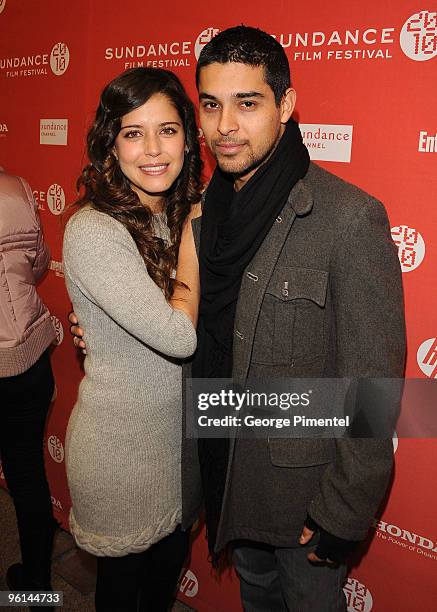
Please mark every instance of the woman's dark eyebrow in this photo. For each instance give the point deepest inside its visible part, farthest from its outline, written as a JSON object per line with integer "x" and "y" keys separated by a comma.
{"x": 164, "y": 123}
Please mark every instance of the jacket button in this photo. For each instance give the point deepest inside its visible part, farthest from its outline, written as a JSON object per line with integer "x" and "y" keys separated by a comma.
{"x": 239, "y": 334}
{"x": 253, "y": 277}
{"x": 278, "y": 219}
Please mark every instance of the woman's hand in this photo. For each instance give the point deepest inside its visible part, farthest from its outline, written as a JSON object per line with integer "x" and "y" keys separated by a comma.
{"x": 187, "y": 298}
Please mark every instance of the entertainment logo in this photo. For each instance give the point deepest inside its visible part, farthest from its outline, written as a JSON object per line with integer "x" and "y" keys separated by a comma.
{"x": 37, "y": 64}
{"x": 57, "y": 267}
{"x": 427, "y": 142}
{"x": 3, "y": 130}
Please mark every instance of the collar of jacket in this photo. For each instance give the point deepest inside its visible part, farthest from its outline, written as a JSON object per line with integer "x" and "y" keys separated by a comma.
{"x": 257, "y": 275}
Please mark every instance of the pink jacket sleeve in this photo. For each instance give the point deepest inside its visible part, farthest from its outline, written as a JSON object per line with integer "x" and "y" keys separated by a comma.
{"x": 42, "y": 257}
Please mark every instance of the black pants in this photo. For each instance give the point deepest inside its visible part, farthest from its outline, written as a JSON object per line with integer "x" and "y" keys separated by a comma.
{"x": 143, "y": 581}
{"x": 24, "y": 404}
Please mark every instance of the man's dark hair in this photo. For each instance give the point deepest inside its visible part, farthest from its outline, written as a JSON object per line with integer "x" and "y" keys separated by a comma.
{"x": 251, "y": 46}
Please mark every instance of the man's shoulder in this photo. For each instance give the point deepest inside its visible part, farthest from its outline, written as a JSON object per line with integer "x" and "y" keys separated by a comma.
{"x": 339, "y": 203}
{"x": 328, "y": 187}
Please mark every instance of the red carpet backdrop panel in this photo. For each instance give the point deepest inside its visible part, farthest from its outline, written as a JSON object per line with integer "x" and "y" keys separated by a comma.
{"x": 366, "y": 78}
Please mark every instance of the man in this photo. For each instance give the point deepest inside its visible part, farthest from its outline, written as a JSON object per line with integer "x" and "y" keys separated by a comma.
{"x": 299, "y": 278}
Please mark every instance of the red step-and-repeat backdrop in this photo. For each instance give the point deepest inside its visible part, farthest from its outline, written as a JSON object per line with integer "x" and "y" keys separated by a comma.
{"x": 366, "y": 77}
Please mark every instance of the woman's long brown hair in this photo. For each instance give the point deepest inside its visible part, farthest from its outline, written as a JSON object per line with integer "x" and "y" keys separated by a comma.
{"x": 106, "y": 188}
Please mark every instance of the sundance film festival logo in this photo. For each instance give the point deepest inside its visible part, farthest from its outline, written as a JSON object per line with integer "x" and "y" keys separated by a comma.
{"x": 411, "y": 247}
{"x": 59, "y": 330}
{"x": 427, "y": 357}
{"x": 59, "y": 58}
{"x": 3, "y": 130}
{"x": 37, "y": 64}
{"x": 358, "y": 596}
{"x": 56, "y": 449}
{"x": 2, "y": 5}
{"x": 328, "y": 142}
{"x": 189, "y": 584}
{"x": 54, "y": 197}
{"x": 419, "y": 36}
{"x": 370, "y": 43}
{"x": 203, "y": 39}
{"x": 155, "y": 55}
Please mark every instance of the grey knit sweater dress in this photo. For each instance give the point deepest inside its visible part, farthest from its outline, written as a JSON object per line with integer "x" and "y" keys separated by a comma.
{"x": 123, "y": 444}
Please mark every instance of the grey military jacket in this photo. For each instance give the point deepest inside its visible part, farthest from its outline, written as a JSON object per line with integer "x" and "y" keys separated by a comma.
{"x": 342, "y": 315}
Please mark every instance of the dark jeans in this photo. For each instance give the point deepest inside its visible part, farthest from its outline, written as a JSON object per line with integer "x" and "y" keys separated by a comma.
{"x": 283, "y": 580}
{"x": 25, "y": 401}
{"x": 149, "y": 577}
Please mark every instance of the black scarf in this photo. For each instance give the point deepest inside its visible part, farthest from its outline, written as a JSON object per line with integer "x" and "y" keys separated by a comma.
{"x": 234, "y": 225}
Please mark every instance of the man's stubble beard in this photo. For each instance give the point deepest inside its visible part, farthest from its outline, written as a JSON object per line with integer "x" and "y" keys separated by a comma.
{"x": 252, "y": 163}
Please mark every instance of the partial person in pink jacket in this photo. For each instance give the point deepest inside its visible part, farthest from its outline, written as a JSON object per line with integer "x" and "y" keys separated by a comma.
{"x": 26, "y": 380}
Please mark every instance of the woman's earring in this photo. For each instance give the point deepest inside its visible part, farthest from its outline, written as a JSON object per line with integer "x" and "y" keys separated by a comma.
{"x": 186, "y": 150}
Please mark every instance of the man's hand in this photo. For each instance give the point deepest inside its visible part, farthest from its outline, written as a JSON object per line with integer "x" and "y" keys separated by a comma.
{"x": 77, "y": 332}
{"x": 305, "y": 537}
{"x": 330, "y": 549}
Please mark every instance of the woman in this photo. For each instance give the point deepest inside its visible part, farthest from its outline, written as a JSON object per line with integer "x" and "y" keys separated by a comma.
{"x": 120, "y": 252}
{"x": 26, "y": 380}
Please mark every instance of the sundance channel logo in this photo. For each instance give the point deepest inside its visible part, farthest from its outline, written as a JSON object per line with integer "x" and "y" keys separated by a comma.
{"x": 328, "y": 142}
{"x": 38, "y": 64}
{"x": 53, "y": 131}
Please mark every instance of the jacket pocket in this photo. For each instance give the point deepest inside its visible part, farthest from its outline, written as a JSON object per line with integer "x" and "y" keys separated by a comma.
{"x": 286, "y": 452}
{"x": 291, "y": 325}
